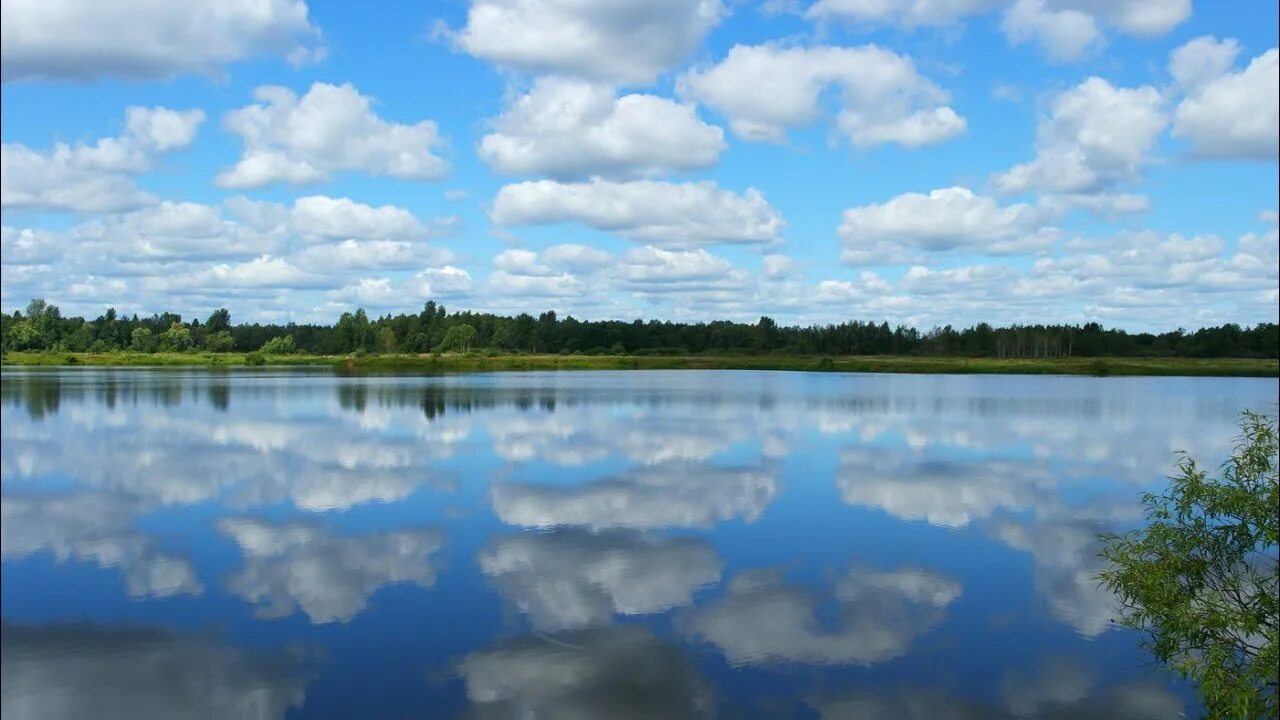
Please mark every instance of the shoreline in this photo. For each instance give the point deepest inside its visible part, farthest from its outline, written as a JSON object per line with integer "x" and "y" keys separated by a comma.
{"x": 467, "y": 363}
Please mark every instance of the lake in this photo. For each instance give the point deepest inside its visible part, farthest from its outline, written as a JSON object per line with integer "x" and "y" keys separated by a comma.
{"x": 582, "y": 545}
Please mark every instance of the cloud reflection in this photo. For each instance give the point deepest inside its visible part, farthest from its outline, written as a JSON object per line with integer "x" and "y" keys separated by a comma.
{"x": 945, "y": 493}
{"x": 303, "y": 566}
{"x": 662, "y": 496}
{"x": 762, "y": 620}
{"x": 95, "y": 527}
{"x": 614, "y": 672}
{"x": 83, "y": 671}
{"x": 571, "y": 578}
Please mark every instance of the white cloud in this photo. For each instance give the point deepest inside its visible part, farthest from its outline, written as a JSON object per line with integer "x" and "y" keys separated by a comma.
{"x": 661, "y": 213}
{"x": 1095, "y": 136}
{"x": 301, "y": 566}
{"x": 945, "y": 219}
{"x": 332, "y": 128}
{"x": 329, "y": 217}
{"x": 629, "y": 41}
{"x": 1065, "y": 35}
{"x": 1070, "y": 30}
{"x": 762, "y": 621}
{"x": 440, "y": 282}
{"x": 95, "y": 178}
{"x": 81, "y": 40}
{"x": 569, "y": 128}
{"x": 904, "y": 14}
{"x": 1140, "y": 18}
{"x": 569, "y": 578}
{"x": 173, "y": 231}
{"x": 1227, "y": 114}
{"x": 882, "y": 99}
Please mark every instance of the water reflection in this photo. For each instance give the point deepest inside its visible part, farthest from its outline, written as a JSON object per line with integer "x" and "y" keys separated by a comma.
{"x": 98, "y": 528}
{"x": 763, "y": 619}
{"x": 674, "y": 495}
{"x": 401, "y": 524}
{"x": 1061, "y": 688}
{"x": 948, "y": 493}
{"x": 303, "y": 566}
{"x": 570, "y": 578}
{"x": 86, "y": 671}
{"x": 614, "y": 672}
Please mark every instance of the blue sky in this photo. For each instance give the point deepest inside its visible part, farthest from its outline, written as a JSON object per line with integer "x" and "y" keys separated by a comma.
{"x": 918, "y": 161}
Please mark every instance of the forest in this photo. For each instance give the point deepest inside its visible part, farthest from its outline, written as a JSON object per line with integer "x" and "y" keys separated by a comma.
{"x": 42, "y": 327}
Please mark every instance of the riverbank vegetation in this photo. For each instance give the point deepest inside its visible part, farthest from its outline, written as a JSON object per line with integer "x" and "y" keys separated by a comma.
{"x": 493, "y": 362}
{"x": 1200, "y": 580}
{"x": 42, "y": 328}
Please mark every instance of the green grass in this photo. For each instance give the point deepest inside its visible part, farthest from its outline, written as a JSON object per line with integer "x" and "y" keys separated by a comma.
{"x": 479, "y": 363}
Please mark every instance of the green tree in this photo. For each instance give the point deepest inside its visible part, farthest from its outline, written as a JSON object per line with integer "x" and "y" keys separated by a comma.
{"x": 1200, "y": 580}
{"x": 458, "y": 338}
{"x": 142, "y": 340}
{"x": 176, "y": 339}
{"x": 220, "y": 320}
{"x": 279, "y": 346}
{"x": 220, "y": 341}
{"x": 386, "y": 340}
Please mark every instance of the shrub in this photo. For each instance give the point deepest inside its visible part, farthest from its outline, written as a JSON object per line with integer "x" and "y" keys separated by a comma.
{"x": 254, "y": 358}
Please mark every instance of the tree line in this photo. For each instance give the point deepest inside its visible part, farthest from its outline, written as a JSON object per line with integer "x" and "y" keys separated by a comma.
{"x": 42, "y": 327}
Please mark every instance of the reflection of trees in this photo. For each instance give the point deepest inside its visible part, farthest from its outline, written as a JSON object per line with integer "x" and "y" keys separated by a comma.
{"x": 83, "y": 671}
{"x": 302, "y": 565}
{"x": 571, "y": 578}
{"x": 763, "y": 620}
{"x": 614, "y": 672}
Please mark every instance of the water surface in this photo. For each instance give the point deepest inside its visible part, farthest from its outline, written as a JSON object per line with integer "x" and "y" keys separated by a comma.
{"x": 581, "y": 545}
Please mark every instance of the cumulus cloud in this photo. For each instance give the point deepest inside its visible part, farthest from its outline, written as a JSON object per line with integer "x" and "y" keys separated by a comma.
{"x": 660, "y": 213}
{"x": 945, "y": 219}
{"x": 332, "y": 128}
{"x": 667, "y": 495}
{"x": 763, "y": 621}
{"x": 1227, "y": 114}
{"x": 569, "y": 128}
{"x": 302, "y": 566}
{"x": 882, "y": 99}
{"x": 631, "y": 41}
{"x": 76, "y": 671}
{"x": 1070, "y": 30}
{"x": 83, "y": 40}
{"x": 569, "y": 578}
{"x": 1065, "y": 34}
{"x": 610, "y": 672}
{"x": 240, "y": 244}
{"x": 1094, "y": 137}
{"x": 97, "y": 177}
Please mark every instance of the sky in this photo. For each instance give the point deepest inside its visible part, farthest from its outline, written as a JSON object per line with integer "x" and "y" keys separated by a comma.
{"x": 926, "y": 162}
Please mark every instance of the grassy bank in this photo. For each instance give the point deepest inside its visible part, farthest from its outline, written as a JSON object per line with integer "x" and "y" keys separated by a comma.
{"x": 479, "y": 363}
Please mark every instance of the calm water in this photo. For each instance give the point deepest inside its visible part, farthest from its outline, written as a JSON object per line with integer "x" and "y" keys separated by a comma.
{"x": 574, "y": 545}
